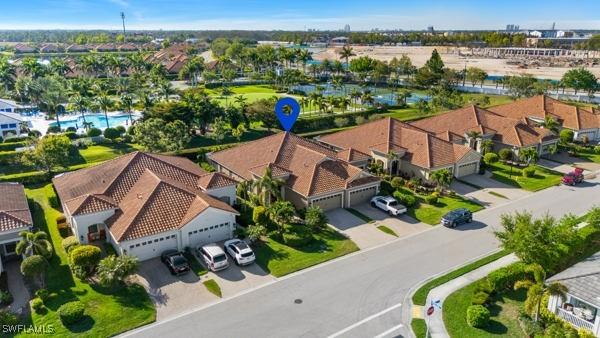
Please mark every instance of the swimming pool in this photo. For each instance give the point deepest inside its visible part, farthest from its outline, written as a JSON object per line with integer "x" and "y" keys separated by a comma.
{"x": 97, "y": 120}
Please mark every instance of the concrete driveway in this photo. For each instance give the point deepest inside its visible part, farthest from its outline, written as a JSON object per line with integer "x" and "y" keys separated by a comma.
{"x": 365, "y": 235}
{"x": 488, "y": 186}
{"x": 571, "y": 161}
{"x": 402, "y": 225}
{"x": 172, "y": 295}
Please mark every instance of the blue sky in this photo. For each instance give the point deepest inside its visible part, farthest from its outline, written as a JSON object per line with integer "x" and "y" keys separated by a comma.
{"x": 299, "y": 14}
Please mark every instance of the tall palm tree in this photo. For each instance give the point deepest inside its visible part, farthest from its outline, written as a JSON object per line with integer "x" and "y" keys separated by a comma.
{"x": 34, "y": 244}
{"x": 104, "y": 102}
{"x": 346, "y": 53}
{"x": 442, "y": 177}
{"x": 486, "y": 146}
{"x": 391, "y": 157}
{"x": 268, "y": 187}
{"x": 402, "y": 96}
{"x": 54, "y": 99}
{"x": 550, "y": 123}
{"x": 126, "y": 103}
{"x": 304, "y": 56}
{"x": 8, "y": 73}
{"x": 59, "y": 67}
{"x": 166, "y": 89}
{"x": 537, "y": 289}
{"x": 81, "y": 104}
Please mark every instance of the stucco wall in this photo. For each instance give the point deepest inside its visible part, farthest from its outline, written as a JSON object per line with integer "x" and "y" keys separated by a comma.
{"x": 80, "y": 223}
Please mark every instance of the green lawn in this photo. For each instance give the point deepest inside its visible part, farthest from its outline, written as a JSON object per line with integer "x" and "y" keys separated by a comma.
{"x": 542, "y": 179}
{"x": 360, "y": 215}
{"x": 387, "y": 230}
{"x": 420, "y": 296}
{"x": 431, "y": 214}
{"x": 419, "y": 327}
{"x": 503, "y": 320}
{"x": 280, "y": 259}
{"x": 104, "y": 152}
{"x": 589, "y": 155}
{"x": 104, "y": 308}
{"x": 212, "y": 287}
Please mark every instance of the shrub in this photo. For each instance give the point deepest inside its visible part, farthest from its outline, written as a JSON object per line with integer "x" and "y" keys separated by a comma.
{"x": 53, "y": 130}
{"x": 71, "y": 313}
{"x": 478, "y": 316}
{"x": 260, "y": 216}
{"x": 505, "y": 154}
{"x": 490, "y": 158}
{"x": 397, "y": 182}
{"x": 84, "y": 259}
{"x": 94, "y": 132}
{"x": 359, "y": 120}
{"x": 566, "y": 136}
{"x": 341, "y": 122}
{"x": 61, "y": 219}
{"x": 407, "y": 200}
{"x": 504, "y": 278}
{"x": 71, "y": 135}
{"x": 528, "y": 172}
{"x": 43, "y": 294}
{"x": 120, "y": 129}
{"x": 597, "y": 149}
{"x": 385, "y": 188}
{"x": 70, "y": 243}
{"x": 480, "y": 298}
{"x": 63, "y": 230}
{"x": 8, "y": 318}
{"x": 37, "y": 305}
{"x": 5, "y": 297}
{"x": 432, "y": 198}
{"x": 111, "y": 133}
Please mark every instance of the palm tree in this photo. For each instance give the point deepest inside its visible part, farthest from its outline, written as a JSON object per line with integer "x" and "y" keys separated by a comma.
{"x": 304, "y": 56}
{"x": 8, "y": 73}
{"x": 104, "y": 103}
{"x": 442, "y": 177}
{"x": 34, "y": 243}
{"x": 346, "y": 53}
{"x": 59, "y": 67}
{"x": 486, "y": 146}
{"x": 537, "y": 289}
{"x": 166, "y": 89}
{"x": 81, "y": 104}
{"x": 528, "y": 155}
{"x": 268, "y": 187}
{"x": 126, "y": 103}
{"x": 54, "y": 99}
{"x": 402, "y": 96}
{"x": 472, "y": 137}
{"x": 550, "y": 123}
{"x": 391, "y": 157}
{"x": 367, "y": 98}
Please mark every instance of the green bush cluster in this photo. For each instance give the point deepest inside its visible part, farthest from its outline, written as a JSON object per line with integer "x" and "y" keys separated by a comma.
{"x": 37, "y": 305}
{"x": 70, "y": 243}
{"x": 11, "y": 146}
{"x": 94, "y": 132}
{"x": 528, "y": 172}
{"x": 504, "y": 278}
{"x": 17, "y": 139}
{"x": 478, "y": 316}
{"x": 490, "y": 158}
{"x": 432, "y": 198}
{"x": 597, "y": 149}
{"x": 505, "y": 154}
{"x": 407, "y": 200}
{"x": 71, "y": 313}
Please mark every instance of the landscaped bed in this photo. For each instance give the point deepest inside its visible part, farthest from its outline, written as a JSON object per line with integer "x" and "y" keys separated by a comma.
{"x": 105, "y": 309}
{"x": 280, "y": 259}
{"x": 543, "y": 178}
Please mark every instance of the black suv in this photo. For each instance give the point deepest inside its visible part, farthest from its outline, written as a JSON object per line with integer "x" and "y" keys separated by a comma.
{"x": 175, "y": 261}
{"x": 456, "y": 217}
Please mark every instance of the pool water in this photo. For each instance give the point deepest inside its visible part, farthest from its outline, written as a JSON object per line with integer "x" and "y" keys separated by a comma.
{"x": 97, "y": 120}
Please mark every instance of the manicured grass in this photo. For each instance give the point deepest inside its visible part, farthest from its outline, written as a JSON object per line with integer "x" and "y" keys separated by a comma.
{"x": 504, "y": 313}
{"x": 494, "y": 99}
{"x": 407, "y": 114}
{"x": 104, "y": 152}
{"x": 280, "y": 259}
{"x": 589, "y": 155}
{"x": 212, "y": 287}
{"x": 387, "y": 230}
{"x": 420, "y": 296}
{"x": 432, "y": 214}
{"x": 497, "y": 194}
{"x": 543, "y": 178}
{"x": 419, "y": 327}
{"x": 105, "y": 309}
{"x": 196, "y": 267}
{"x": 360, "y": 215}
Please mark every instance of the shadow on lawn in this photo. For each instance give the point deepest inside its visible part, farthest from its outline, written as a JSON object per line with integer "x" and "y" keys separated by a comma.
{"x": 500, "y": 305}
{"x": 84, "y": 325}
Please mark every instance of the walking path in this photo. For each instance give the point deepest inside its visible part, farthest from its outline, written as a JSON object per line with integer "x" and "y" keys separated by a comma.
{"x": 436, "y": 321}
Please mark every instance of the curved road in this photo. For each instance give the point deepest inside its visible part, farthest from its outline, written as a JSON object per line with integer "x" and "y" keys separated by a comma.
{"x": 363, "y": 294}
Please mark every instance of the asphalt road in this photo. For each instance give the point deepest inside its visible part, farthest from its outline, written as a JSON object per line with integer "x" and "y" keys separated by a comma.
{"x": 363, "y": 294}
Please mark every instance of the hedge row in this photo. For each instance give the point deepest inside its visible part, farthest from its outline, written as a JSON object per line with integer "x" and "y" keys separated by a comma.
{"x": 11, "y": 146}
{"x": 8, "y": 157}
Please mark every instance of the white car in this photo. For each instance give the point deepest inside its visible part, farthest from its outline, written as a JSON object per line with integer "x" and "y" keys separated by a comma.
{"x": 213, "y": 256}
{"x": 388, "y": 204}
{"x": 239, "y": 251}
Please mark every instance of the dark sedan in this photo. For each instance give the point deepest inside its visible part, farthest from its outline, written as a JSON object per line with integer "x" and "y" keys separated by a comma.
{"x": 456, "y": 217}
{"x": 175, "y": 261}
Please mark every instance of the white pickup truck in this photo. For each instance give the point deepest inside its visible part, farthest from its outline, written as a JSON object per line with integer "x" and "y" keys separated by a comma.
{"x": 388, "y": 204}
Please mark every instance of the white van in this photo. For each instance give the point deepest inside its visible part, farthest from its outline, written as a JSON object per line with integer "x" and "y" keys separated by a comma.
{"x": 214, "y": 257}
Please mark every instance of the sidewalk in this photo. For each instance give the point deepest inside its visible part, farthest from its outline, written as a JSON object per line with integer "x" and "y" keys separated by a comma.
{"x": 436, "y": 321}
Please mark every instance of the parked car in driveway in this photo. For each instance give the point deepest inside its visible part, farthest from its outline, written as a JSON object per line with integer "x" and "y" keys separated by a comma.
{"x": 214, "y": 257}
{"x": 175, "y": 261}
{"x": 239, "y": 251}
{"x": 456, "y": 217}
{"x": 573, "y": 178}
{"x": 388, "y": 204}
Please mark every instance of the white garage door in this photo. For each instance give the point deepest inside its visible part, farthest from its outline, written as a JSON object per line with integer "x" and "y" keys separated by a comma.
{"x": 209, "y": 234}
{"x": 153, "y": 247}
{"x": 362, "y": 195}
{"x": 466, "y": 169}
{"x": 329, "y": 202}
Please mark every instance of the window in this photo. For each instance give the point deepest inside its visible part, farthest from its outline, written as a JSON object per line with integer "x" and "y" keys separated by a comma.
{"x": 156, "y": 240}
{"x": 4, "y": 126}
{"x": 161, "y": 239}
{"x": 131, "y": 247}
{"x": 12, "y": 125}
{"x": 138, "y": 244}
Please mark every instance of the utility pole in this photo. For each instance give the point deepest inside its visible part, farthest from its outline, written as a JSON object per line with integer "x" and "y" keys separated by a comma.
{"x": 123, "y": 20}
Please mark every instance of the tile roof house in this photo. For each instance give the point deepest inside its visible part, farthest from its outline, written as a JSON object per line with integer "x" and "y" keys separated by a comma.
{"x": 416, "y": 152}
{"x": 582, "y": 306}
{"x": 313, "y": 173}
{"x": 10, "y": 122}
{"x": 14, "y": 218}
{"x": 457, "y": 125}
{"x": 584, "y": 121}
{"x": 146, "y": 203}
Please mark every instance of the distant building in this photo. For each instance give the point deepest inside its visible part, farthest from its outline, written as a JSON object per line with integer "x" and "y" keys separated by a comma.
{"x": 347, "y": 28}
{"x": 512, "y": 28}
{"x": 339, "y": 41}
{"x": 430, "y": 29}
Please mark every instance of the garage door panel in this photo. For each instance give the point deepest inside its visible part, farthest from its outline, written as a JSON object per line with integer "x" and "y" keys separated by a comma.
{"x": 466, "y": 169}
{"x": 152, "y": 247}
{"x": 329, "y": 202}
{"x": 209, "y": 234}
{"x": 362, "y": 195}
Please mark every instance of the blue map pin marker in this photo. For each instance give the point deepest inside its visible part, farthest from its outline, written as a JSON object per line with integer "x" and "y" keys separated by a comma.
{"x": 287, "y": 118}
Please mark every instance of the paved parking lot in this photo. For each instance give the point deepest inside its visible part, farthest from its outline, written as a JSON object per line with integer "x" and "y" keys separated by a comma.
{"x": 366, "y": 235}
{"x": 173, "y": 295}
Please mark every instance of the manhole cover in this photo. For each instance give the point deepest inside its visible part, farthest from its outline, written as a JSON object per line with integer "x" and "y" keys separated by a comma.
{"x": 298, "y": 301}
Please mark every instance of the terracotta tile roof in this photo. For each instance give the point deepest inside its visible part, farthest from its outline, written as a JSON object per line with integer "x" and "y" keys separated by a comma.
{"x": 215, "y": 181}
{"x": 90, "y": 203}
{"x": 540, "y": 106}
{"x": 14, "y": 210}
{"x": 453, "y": 125}
{"x": 421, "y": 148}
{"x": 312, "y": 167}
{"x": 157, "y": 204}
{"x": 276, "y": 170}
{"x": 352, "y": 155}
{"x": 115, "y": 178}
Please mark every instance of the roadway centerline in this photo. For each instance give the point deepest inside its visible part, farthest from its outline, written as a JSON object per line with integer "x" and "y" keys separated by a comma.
{"x": 371, "y": 317}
